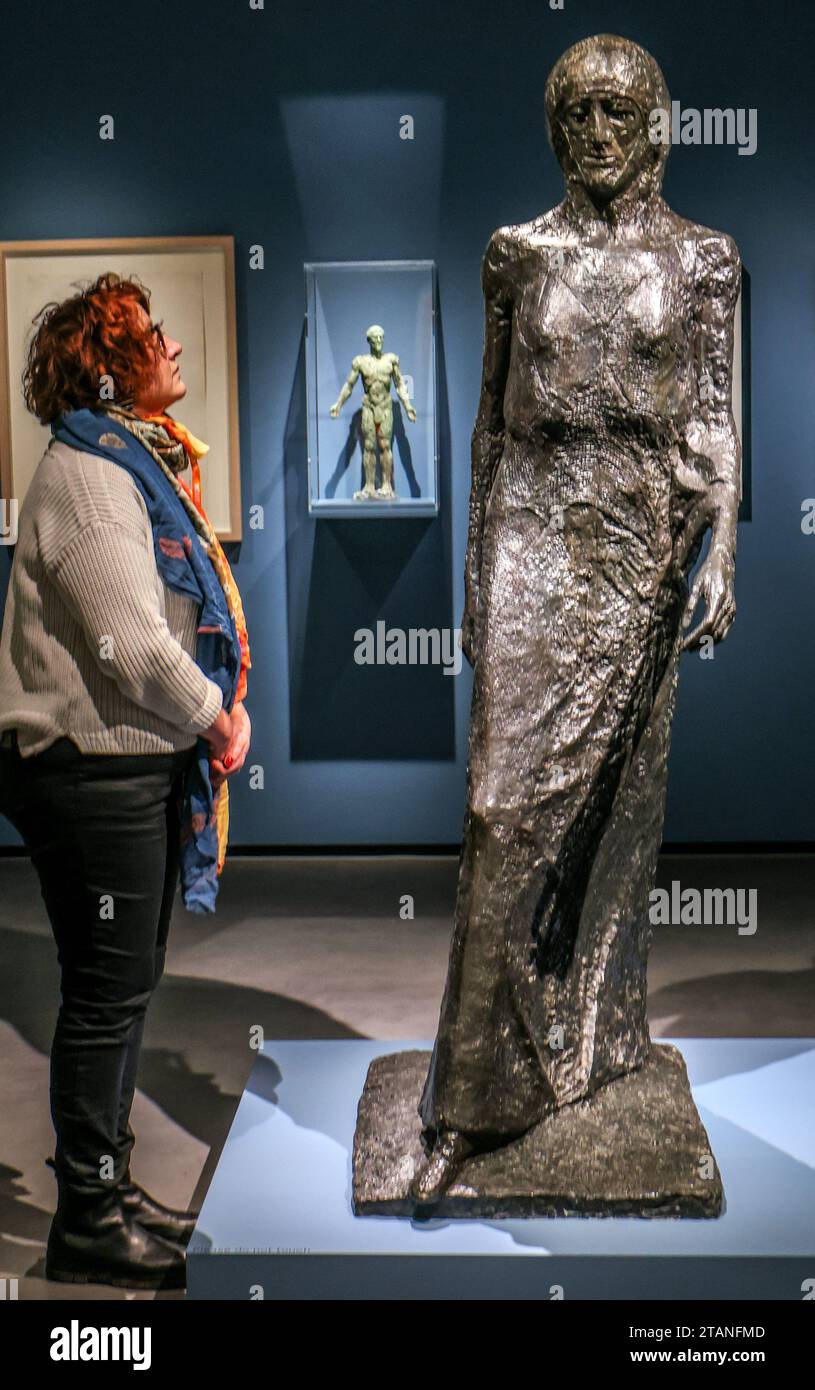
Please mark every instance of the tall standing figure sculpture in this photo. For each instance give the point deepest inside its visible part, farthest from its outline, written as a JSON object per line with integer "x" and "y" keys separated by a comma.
{"x": 604, "y": 449}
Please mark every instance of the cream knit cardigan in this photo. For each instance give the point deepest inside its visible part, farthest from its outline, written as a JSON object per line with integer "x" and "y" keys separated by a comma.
{"x": 94, "y": 646}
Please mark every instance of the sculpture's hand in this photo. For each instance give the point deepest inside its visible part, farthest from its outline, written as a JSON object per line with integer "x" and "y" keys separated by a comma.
{"x": 712, "y": 586}
{"x": 334, "y": 412}
{"x": 411, "y": 413}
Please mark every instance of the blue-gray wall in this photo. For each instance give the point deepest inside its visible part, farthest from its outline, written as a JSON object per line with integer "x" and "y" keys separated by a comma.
{"x": 280, "y": 127}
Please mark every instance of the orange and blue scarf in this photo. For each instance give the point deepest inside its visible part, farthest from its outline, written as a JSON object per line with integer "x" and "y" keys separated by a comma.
{"x": 199, "y": 571}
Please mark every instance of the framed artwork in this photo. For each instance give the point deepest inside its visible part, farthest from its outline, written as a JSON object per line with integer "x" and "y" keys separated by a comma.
{"x": 192, "y": 288}
{"x": 371, "y": 401}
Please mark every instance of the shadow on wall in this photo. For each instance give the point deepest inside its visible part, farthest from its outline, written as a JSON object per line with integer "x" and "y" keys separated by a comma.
{"x": 344, "y": 576}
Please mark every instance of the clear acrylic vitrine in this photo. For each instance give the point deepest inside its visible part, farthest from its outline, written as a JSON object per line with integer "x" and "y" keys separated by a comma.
{"x": 350, "y": 472}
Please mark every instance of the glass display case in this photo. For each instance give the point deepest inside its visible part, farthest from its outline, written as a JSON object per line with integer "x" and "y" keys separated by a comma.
{"x": 371, "y": 388}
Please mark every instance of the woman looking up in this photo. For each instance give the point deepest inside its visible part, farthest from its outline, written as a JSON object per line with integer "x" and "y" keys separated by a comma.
{"x": 122, "y": 675}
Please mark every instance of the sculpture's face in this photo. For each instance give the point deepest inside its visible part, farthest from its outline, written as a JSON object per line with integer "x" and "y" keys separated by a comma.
{"x": 607, "y": 142}
{"x": 376, "y": 339}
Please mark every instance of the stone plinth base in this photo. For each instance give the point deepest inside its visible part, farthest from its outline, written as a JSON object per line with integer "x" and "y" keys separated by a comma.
{"x": 635, "y": 1148}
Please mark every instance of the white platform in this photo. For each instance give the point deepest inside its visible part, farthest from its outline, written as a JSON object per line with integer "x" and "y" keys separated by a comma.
{"x": 278, "y": 1212}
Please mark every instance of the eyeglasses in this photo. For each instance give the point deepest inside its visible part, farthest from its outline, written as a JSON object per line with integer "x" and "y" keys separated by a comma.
{"x": 156, "y": 328}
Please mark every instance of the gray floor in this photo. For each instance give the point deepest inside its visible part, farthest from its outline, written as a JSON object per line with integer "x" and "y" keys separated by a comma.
{"x": 316, "y": 948}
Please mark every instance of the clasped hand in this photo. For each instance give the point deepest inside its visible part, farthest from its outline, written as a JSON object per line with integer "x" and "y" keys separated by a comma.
{"x": 235, "y": 753}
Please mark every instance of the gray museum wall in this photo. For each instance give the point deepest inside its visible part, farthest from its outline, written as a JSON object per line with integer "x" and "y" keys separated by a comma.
{"x": 281, "y": 127}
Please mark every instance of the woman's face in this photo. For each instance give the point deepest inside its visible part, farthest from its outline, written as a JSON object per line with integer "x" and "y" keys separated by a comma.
{"x": 165, "y": 386}
{"x": 607, "y": 142}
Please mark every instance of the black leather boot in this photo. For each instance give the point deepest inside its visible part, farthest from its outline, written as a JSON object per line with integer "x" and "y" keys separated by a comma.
{"x": 93, "y": 1240}
{"x": 176, "y": 1226}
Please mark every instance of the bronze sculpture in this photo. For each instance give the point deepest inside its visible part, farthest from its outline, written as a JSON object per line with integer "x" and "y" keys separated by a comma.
{"x": 604, "y": 448}
{"x": 378, "y": 369}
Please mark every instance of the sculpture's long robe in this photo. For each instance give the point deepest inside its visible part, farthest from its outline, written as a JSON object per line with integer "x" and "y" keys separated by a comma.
{"x": 578, "y": 634}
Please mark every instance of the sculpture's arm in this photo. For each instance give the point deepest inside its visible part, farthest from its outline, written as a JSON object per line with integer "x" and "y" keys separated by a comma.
{"x": 346, "y": 390}
{"x": 401, "y": 389}
{"x": 711, "y": 442}
{"x": 488, "y": 434}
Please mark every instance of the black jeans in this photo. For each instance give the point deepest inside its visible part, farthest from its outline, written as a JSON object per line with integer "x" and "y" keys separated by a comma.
{"x": 103, "y": 832}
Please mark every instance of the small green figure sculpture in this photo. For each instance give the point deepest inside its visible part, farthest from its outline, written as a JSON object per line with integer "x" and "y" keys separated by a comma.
{"x": 378, "y": 370}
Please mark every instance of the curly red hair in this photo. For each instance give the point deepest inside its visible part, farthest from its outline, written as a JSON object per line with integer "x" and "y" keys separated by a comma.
{"x": 96, "y": 333}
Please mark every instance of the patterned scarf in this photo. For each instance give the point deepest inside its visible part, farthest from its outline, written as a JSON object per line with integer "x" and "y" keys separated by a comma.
{"x": 175, "y": 449}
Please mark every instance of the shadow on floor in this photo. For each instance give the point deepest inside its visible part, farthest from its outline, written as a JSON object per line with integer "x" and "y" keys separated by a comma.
{"x": 738, "y": 1004}
{"x": 20, "y": 1221}
{"x": 195, "y": 1060}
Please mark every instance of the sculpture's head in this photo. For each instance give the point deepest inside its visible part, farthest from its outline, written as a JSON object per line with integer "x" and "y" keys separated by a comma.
{"x": 376, "y": 337}
{"x": 599, "y": 97}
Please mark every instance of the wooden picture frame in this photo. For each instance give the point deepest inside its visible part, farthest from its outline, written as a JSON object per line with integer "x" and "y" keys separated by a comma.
{"x": 192, "y": 284}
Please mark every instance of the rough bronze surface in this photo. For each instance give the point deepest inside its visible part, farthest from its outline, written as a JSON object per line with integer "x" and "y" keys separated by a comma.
{"x": 637, "y": 1148}
{"x": 604, "y": 449}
